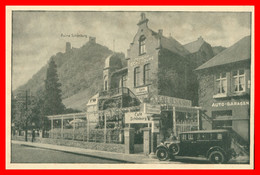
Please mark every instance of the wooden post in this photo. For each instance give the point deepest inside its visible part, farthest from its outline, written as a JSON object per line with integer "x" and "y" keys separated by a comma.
{"x": 174, "y": 121}
{"x": 198, "y": 118}
{"x": 73, "y": 127}
{"x": 105, "y": 128}
{"x": 88, "y": 129}
{"x": 62, "y": 127}
{"x": 52, "y": 127}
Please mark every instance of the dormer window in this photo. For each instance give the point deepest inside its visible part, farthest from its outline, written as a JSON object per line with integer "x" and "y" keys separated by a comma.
{"x": 142, "y": 49}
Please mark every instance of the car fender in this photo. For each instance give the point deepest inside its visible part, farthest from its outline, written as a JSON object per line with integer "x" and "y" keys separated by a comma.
{"x": 162, "y": 146}
{"x": 215, "y": 148}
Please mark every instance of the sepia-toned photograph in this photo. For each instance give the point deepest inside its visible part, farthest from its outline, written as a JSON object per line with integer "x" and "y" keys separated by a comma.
{"x": 116, "y": 87}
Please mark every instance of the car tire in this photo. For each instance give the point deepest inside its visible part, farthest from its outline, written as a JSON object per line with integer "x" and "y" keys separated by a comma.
{"x": 174, "y": 149}
{"x": 162, "y": 154}
{"x": 217, "y": 157}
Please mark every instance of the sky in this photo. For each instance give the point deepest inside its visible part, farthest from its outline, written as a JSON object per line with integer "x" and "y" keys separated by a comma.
{"x": 36, "y": 36}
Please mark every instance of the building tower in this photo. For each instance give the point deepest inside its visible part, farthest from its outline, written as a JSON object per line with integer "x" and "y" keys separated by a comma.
{"x": 68, "y": 47}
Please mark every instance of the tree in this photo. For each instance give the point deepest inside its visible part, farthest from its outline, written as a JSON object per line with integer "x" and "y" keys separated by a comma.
{"x": 53, "y": 103}
{"x": 22, "y": 111}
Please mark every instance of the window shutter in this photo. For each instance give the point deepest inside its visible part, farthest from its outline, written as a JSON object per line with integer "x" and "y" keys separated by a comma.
{"x": 247, "y": 81}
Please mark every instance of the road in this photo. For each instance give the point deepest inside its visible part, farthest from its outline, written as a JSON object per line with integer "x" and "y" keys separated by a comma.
{"x": 28, "y": 154}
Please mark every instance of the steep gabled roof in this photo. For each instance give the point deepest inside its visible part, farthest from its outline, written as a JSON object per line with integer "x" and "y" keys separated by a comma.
{"x": 171, "y": 44}
{"x": 194, "y": 46}
{"x": 240, "y": 51}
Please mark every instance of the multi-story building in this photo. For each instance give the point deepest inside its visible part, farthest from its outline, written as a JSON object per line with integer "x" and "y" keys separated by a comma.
{"x": 224, "y": 89}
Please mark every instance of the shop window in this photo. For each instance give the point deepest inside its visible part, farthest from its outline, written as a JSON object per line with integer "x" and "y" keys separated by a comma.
{"x": 221, "y": 113}
{"x": 221, "y": 83}
{"x": 137, "y": 81}
{"x": 142, "y": 49}
{"x": 239, "y": 80}
{"x": 146, "y": 73}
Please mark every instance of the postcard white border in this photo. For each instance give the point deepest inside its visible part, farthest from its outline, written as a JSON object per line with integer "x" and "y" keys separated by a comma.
{"x": 9, "y": 10}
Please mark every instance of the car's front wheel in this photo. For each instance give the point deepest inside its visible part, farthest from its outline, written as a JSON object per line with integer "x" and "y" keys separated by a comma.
{"x": 162, "y": 154}
{"x": 216, "y": 157}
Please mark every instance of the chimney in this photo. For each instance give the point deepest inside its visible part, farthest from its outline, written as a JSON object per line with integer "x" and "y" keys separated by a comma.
{"x": 160, "y": 32}
{"x": 68, "y": 46}
{"x": 92, "y": 39}
{"x": 143, "y": 19}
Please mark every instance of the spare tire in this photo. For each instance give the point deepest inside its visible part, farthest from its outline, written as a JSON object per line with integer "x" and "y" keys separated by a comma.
{"x": 174, "y": 149}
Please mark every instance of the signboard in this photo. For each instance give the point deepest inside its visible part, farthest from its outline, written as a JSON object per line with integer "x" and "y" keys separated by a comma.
{"x": 152, "y": 109}
{"x": 140, "y": 60}
{"x": 231, "y": 103}
{"x": 136, "y": 117}
{"x": 142, "y": 90}
{"x": 160, "y": 99}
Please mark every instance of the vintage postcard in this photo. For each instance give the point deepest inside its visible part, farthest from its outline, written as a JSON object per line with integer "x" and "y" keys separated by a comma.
{"x": 130, "y": 87}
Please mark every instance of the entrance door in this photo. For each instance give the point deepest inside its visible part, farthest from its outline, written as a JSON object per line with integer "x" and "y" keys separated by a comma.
{"x": 139, "y": 137}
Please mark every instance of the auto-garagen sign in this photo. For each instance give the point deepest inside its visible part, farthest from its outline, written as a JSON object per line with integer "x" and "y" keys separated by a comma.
{"x": 231, "y": 103}
{"x": 136, "y": 117}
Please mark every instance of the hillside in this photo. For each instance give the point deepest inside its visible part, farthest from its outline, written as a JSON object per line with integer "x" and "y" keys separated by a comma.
{"x": 218, "y": 49}
{"x": 80, "y": 72}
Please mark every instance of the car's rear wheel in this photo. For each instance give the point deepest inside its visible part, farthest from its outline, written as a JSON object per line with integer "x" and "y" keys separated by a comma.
{"x": 216, "y": 157}
{"x": 174, "y": 149}
{"x": 162, "y": 154}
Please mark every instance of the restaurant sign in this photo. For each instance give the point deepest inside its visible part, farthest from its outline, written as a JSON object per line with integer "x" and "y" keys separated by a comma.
{"x": 141, "y": 90}
{"x": 152, "y": 109}
{"x": 160, "y": 99}
{"x": 136, "y": 117}
{"x": 231, "y": 103}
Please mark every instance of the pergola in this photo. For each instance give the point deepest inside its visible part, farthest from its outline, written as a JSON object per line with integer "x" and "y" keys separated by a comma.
{"x": 87, "y": 116}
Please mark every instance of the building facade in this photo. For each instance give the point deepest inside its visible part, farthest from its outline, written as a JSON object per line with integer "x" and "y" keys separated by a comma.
{"x": 224, "y": 89}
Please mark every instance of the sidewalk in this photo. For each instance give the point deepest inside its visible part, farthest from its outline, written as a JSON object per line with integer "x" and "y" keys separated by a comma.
{"x": 127, "y": 158}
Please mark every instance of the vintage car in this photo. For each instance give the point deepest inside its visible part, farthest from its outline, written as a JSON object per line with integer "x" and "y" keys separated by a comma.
{"x": 215, "y": 145}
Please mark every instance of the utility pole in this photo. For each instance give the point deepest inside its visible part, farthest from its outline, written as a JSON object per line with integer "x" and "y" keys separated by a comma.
{"x": 26, "y": 113}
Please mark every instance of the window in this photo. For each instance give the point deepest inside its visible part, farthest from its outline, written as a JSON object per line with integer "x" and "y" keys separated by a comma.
{"x": 137, "y": 81}
{"x": 184, "y": 137}
{"x": 221, "y": 82}
{"x": 146, "y": 73}
{"x": 219, "y": 136}
{"x": 105, "y": 85}
{"x": 190, "y": 136}
{"x": 142, "y": 49}
{"x": 239, "y": 80}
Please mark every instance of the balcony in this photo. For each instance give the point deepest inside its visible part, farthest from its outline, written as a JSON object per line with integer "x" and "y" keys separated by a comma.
{"x": 115, "y": 92}
{"x": 117, "y": 98}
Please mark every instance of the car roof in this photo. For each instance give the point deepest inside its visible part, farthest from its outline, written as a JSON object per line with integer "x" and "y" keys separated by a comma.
{"x": 205, "y": 131}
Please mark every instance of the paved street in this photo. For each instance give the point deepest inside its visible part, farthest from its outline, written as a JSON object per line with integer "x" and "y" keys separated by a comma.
{"x": 28, "y": 154}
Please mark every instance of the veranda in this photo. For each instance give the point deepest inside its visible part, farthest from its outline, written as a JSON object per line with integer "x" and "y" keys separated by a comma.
{"x": 105, "y": 126}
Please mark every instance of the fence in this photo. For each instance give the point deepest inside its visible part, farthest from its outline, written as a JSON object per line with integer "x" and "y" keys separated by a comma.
{"x": 92, "y": 135}
{"x": 186, "y": 125}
